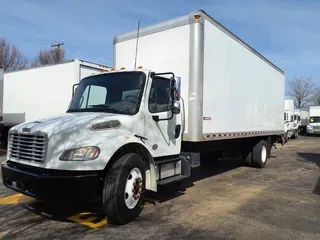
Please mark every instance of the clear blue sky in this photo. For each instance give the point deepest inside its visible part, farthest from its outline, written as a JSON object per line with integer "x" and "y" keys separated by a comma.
{"x": 285, "y": 31}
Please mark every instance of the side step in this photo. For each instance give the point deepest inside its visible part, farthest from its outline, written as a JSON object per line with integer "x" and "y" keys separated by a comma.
{"x": 177, "y": 178}
{"x": 177, "y": 168}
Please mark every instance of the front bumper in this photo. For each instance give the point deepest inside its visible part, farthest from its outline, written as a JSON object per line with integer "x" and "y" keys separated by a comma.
{"x": 50, "y": 184}
{"x": 313, "y": 131}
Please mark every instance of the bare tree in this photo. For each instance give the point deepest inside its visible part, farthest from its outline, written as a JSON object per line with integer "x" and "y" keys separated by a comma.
{"x": 301, "y": 89}
{"x": 11, "y": 58}
{"x": 316, "y": 97}
{"x": 50, "y": 56}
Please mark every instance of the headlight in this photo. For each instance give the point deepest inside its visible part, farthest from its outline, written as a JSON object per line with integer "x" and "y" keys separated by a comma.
{"x": 80, "y": 154}
{"x": 309, "y": 127}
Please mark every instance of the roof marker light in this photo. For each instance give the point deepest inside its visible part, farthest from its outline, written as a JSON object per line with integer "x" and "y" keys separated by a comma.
{"x": 197, "y": 17}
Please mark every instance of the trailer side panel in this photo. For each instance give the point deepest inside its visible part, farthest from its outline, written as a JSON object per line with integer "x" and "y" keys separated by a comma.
{"x": 242, "y": 93}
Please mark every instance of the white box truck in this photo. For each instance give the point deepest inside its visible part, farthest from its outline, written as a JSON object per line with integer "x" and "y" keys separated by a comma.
{"x": 302, "y": 119}
{"x": 314, "y": 121}
{"x": 1, "y": 93}
{"x": 199, "y": 89}
{"x": 34, "y": 93}
{"x": 290, "y": 120}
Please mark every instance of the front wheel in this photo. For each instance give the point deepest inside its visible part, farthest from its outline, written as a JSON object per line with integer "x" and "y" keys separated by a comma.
{"x": 124, "y": 189}
{"x": 295, "y": 135}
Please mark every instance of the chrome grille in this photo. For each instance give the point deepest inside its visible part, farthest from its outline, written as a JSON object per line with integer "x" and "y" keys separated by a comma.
{"x": 27, "y": 147}
{"x": 316, "y": 127}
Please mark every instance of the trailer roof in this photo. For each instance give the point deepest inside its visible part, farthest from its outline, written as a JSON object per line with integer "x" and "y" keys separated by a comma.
{"x": 184, "y": 20}
{"x": 68, "y": 61}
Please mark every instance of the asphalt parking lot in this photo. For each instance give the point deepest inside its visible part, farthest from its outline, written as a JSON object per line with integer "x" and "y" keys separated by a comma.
{"x": 222, "y": 200}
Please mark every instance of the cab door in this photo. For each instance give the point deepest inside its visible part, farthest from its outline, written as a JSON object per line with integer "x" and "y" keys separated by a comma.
{"x": 162, "y": 126}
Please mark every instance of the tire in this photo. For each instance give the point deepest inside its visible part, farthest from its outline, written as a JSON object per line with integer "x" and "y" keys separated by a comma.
{"x": 116, "y": 208}
{"x": 260, "y": 154}
{"x": 295, "y": 135}
{"x": 248, "y": 158}
{"x": 286, "y": 137}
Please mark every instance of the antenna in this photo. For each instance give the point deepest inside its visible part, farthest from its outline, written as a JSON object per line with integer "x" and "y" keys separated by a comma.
{"x": 135, "y": 60}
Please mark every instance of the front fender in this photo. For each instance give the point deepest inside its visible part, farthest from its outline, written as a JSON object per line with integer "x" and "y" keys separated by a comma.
{"x": 108, "y": 145}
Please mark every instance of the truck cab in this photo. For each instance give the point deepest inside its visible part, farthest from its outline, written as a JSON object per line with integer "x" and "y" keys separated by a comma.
{"x": 120, "y": 135}
{"x": 313, "y": 127}
{"x": 290, "y": 121}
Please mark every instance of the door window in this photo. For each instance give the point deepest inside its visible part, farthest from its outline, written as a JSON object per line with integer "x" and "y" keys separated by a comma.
{"x": 159, "y": 98}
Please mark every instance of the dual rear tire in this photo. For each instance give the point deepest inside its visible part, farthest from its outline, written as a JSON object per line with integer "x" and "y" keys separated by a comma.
{"x": 258, "y": 155}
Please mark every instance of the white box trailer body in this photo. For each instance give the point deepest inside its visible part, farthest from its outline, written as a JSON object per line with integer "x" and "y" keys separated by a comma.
{"x": 43, "y": 91}
{"x": 1, "y": 93}
{"x": 229, "y": 89}
{"x": 314, "y": 111}
{"x": 314, "y": 120}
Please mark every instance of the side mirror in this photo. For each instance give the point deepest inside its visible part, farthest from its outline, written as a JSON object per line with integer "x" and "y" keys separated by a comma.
{"x": 175, "y": 84}
{"x": 175, "y": 108}
{"x": 74, "y": 88}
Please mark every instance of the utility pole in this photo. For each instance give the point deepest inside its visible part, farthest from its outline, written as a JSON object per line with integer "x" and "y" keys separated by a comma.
{"x": 57, "y": 45}
{"x": 58, "y": 54}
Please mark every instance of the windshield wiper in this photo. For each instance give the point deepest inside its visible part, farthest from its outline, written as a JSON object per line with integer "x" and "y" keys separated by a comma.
{"x": 106, "y": 106}
{"x": 100, "y": 105}
{"x": 73, "y": 110}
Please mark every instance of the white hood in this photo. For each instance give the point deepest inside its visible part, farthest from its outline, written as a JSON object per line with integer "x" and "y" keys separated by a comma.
{"x": 64, "y": 122}
{"x": 72, "y": 130}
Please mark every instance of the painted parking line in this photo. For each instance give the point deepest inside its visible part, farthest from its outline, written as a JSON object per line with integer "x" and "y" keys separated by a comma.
{"x": 16, "y": 199}
{"x": 97, "y": 220}
{"x": 89, "y": 219}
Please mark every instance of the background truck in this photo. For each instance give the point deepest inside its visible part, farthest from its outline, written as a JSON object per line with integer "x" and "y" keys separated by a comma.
{"x": 301, "y": 117}
{"x": 135, "y": 128}
{"x": 30, "y": 94}
{"x": 1, "y": 93}
{"x": 290, "y": 124}
{"x": 314, "y": 120}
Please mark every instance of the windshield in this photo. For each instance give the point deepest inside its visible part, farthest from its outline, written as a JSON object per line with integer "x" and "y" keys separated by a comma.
{"x": 119, "y": 92}
{"x": 314, "y": 119}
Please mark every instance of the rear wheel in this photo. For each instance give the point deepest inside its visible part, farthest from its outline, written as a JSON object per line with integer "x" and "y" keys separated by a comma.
{"x": 286, "y": 137}
{"x": 260, "y": 154}
{"x": 248, "y": 158}
{"x": 124, "y": 189}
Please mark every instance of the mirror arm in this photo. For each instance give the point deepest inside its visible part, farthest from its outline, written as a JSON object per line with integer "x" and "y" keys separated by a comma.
{"x": 157, "y": 119}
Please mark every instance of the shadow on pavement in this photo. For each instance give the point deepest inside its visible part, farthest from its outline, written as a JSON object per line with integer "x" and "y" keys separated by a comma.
{"x": 310, "y": 157}
{"x": 315, "y": 158}
{"x": 207, "y": 169}
{"x": 60, "y": 211}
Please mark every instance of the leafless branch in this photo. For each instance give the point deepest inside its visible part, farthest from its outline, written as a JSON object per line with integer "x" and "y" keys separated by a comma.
{"x": 302, "y": 90}
{"x": 11, "y": 58}
{"x": 316, "y": 97}
{"x": 51, "y": 56}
